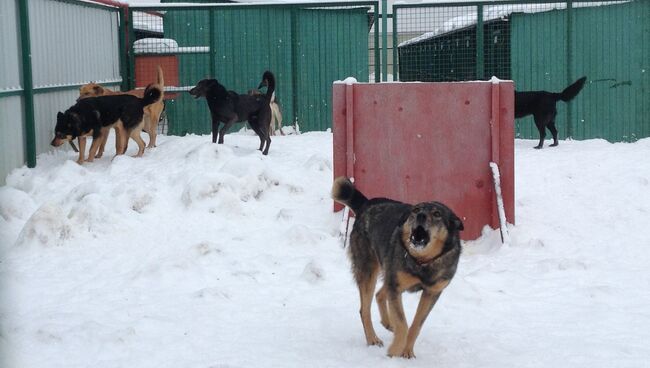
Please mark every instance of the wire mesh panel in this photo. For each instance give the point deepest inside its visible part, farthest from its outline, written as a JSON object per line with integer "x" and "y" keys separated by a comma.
{"x": 541, "y": 46}
{"x": 306, "y": 47}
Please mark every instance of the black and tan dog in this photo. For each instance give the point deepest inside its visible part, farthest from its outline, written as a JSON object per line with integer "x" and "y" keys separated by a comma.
{"x": 415, "y": 247}
{"x": 541, "y": 104}
{"x": 229, "y": 107}
{"x": 96, "y": 115}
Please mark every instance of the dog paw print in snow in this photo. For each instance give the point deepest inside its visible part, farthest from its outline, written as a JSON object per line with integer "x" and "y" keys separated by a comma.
{"x": 318, "y": 162}
{"x": 313, "y": 273}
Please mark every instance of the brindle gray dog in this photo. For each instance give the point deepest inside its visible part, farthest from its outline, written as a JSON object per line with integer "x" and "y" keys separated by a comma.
{"x": 416, "y": 247}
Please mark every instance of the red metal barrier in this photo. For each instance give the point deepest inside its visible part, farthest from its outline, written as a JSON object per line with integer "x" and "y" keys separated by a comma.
{"x": 146, "y": 70}
{"x": 418, "y": 142}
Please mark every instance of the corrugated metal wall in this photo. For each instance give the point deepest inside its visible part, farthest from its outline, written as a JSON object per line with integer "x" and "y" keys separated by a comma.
{"x": 611, "y": 46}
{"x": 72, "y": 43}
{"x": 341, "y": 39}
{"x": 307, "y": 49}
{"x": 12, "y": 151}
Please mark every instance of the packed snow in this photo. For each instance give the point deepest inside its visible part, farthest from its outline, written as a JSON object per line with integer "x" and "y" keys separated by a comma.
{"x": 206, "y": 255}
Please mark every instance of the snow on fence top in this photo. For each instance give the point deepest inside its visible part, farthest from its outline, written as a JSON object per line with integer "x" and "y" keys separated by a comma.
{"x": 165, "y": 46}
{"x": 148, "y": 22}
{"x": 497, "y": 12}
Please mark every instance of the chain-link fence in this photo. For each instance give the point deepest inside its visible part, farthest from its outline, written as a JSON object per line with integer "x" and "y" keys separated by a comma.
{"x": 541, "y": 46}
{"x": 306, "y": 46}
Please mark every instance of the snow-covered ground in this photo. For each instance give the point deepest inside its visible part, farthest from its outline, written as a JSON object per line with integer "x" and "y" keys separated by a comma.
{"x": 205, "y": 255}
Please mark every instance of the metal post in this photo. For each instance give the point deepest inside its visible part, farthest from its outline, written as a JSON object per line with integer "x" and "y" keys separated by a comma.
{"x": 377, "y": 60}
{"x": 28, "y": 84}
{"x": 384, "y": 40}
{"x": 569, "y": 61}
{"x": 480, "y": 53}
{"x": 131, "y": 53}
{"x": 124, "y": 55}
{"x": 395, "y": 50}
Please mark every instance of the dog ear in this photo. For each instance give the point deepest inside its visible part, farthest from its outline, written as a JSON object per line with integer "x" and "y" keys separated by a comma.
{"x": 97, "y": 89}
{"x": 59, "y": 116}
{"x": 456, "y": 223}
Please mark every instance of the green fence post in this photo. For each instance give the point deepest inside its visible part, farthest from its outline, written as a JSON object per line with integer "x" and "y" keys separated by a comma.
{"x": 131, "y": 52}
{"x": 569, "y": 61}
{"x": 28, "y": 84}
{"x": 395, "y": 50}
{"x": 124, "y": 58}
{"x": 384, "y": 40}
{"x": 480, "y": 53}
{"x": 377, "y": 60}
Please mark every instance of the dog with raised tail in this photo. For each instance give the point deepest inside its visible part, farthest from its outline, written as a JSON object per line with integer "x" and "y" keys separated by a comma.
{"x": 415, "y": 248}
{"x": 95, "y": 116}
{"x": 541, "y": 104}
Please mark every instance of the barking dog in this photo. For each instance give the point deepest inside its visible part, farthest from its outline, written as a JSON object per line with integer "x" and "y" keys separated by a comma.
{"x": 96, "y": 115}
{"x": 415, "y": 247}
{"x": 541, "y": 105}
{"x": 229, "y": 107}
{"x": 151, "y": 112}
{"x": 276, "y": 114}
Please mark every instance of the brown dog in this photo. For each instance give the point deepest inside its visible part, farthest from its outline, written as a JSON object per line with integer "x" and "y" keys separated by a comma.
{"x": 414, "y": 247}
{"x": 151, "y": 112}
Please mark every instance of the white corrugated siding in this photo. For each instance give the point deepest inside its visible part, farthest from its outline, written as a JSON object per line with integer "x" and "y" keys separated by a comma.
{"x": 72, "y": 44}
{"x": 12, "y": 146}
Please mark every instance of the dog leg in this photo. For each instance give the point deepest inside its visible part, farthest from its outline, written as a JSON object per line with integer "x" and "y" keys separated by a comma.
{"x": 366, "y": 290}
{"x": 398, "y": 321}
{"x": 135, "y": 134}
{"x": 540, "y": 123}
{"x": 224, "y": 129}
{"x": 97, "y": 141}
{"x": 102, "y": 145}
{"x": 82, "y": 149}
{"x": 121, "y": 138}
{"x": 427, "y": 301}
{"x": 152, "y": 130}
{"x": 553, "y": 129}
{"x": 382, "y": 303}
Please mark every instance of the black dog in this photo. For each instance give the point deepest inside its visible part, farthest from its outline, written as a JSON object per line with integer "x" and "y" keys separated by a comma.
{"x": 229, "y": 107}
{"x": 416, "y": 247}
{"x": 96, "y": 115}
{"x": 541, "y": 105}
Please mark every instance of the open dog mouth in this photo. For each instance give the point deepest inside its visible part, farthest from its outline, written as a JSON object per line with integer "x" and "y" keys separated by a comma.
{"x": 419, "y": 237}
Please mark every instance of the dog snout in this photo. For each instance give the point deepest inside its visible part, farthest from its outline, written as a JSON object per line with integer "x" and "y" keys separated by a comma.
{"x": 421, "y": 218}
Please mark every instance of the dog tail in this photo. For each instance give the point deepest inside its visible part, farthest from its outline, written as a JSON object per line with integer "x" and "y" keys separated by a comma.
{"x": 159, "y": 78}
{"x": 151, "y": 94}
{"x": 344, "y": 192}
{"x": 571, "y": 91}
{"x": 268, "y": 80}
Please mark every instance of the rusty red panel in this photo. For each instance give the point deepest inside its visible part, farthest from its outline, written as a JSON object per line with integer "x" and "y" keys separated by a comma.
{"x": 145, "y": 71}
{"x": 419, "y": 142}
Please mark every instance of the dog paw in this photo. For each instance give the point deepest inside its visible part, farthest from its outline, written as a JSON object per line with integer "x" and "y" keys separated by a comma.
{"x": 554, "y": 145}
{"x": 408, "y": 354}
{"x": 375, "y": 341}
{"x": 387, "y": 326}
{"x": 537, "y": 147}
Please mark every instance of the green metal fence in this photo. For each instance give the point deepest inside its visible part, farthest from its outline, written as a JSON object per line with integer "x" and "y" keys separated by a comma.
{"x": 541, "y": 45}
{"x": 306, "y": 45}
